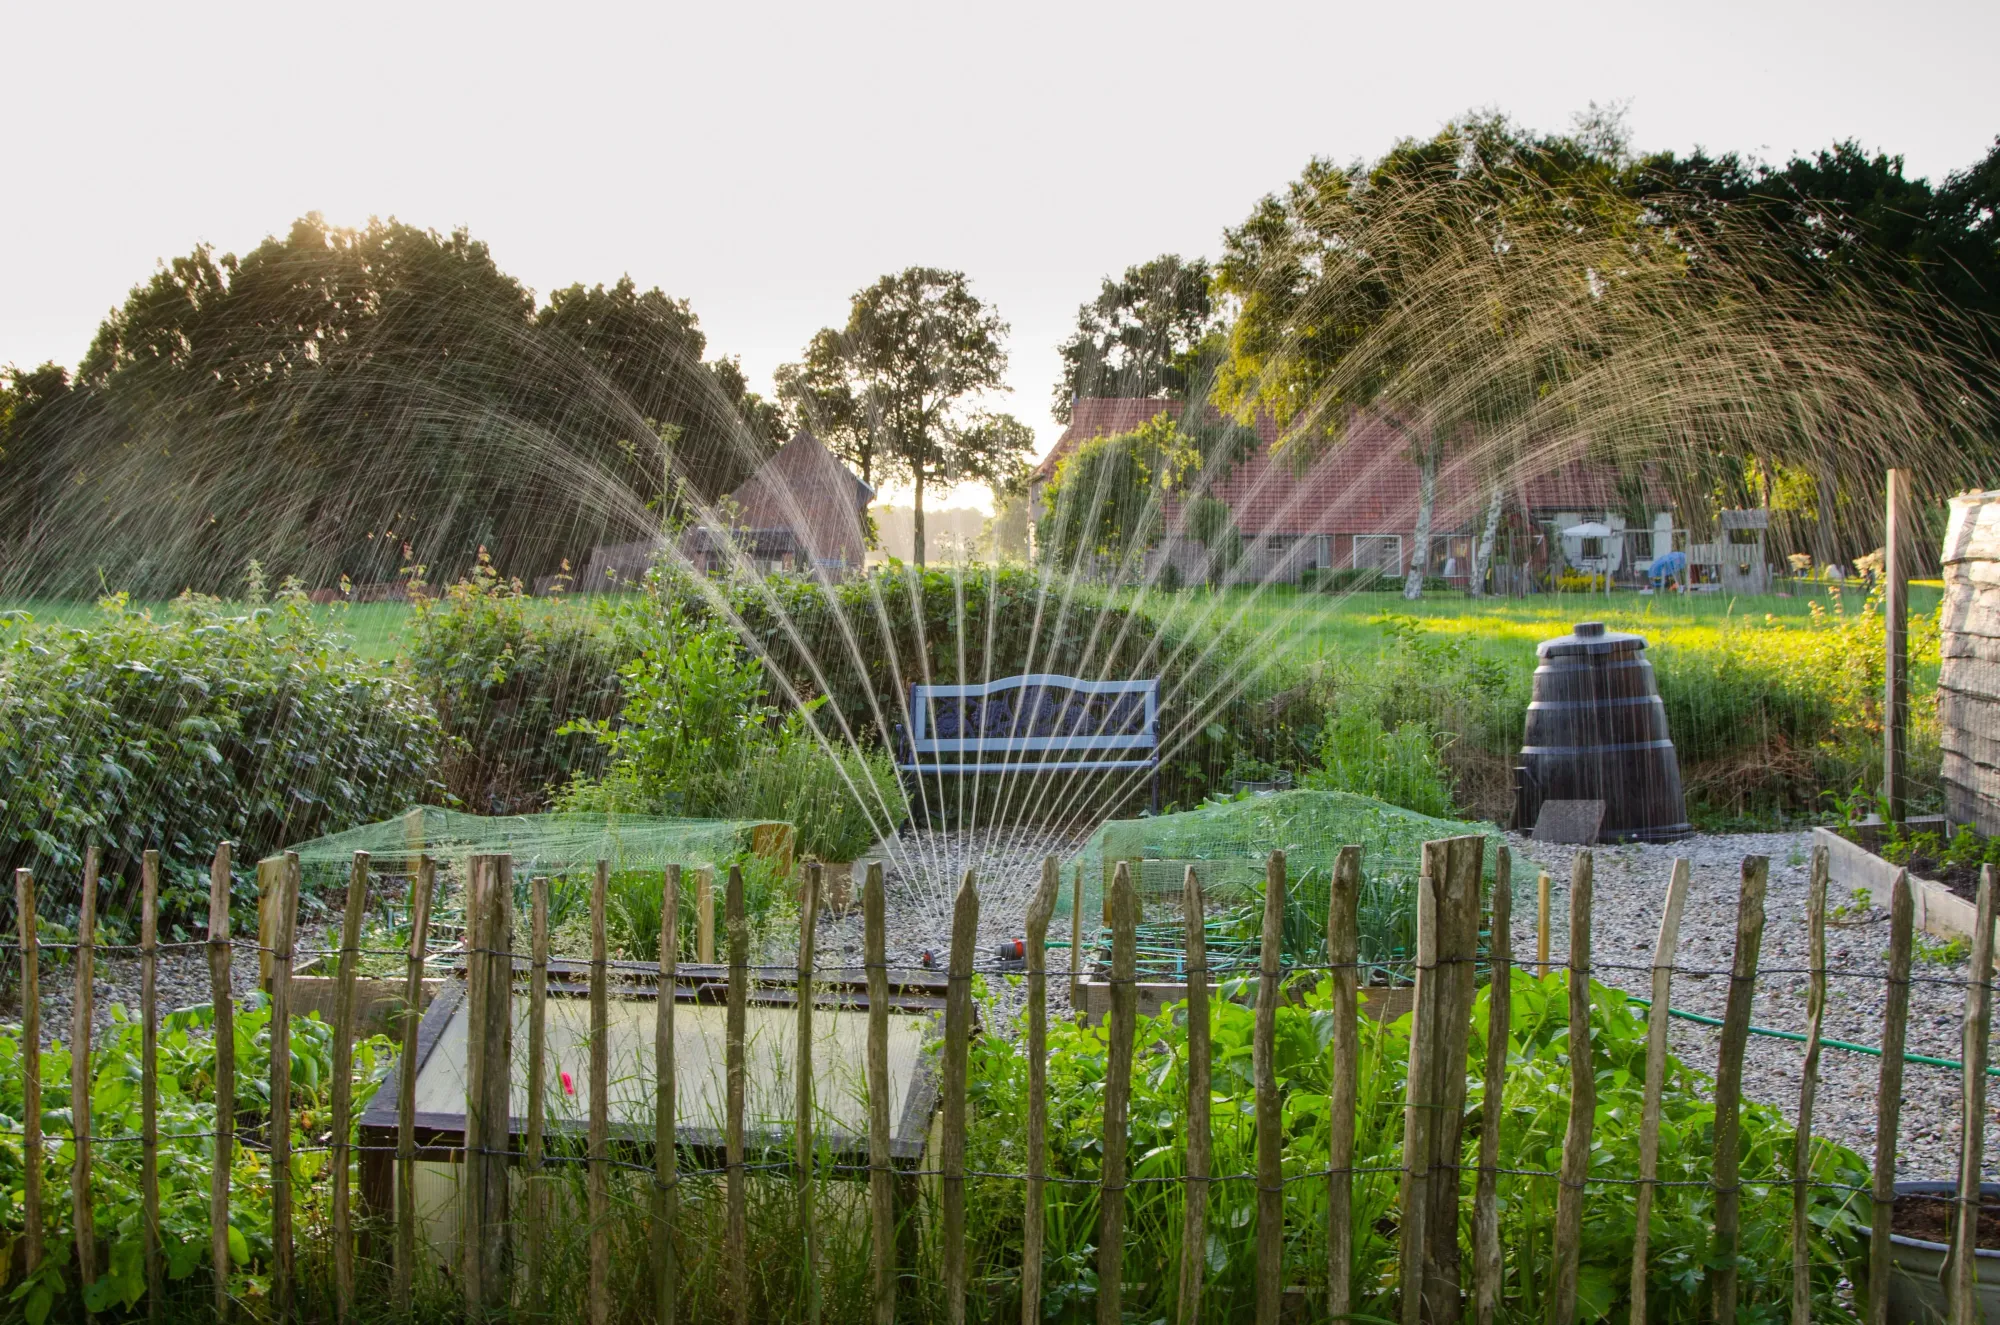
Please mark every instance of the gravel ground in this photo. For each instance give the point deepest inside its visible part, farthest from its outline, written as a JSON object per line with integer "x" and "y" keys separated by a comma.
{"x": 922, "y": 869}
{"x": 1630, "y": 888}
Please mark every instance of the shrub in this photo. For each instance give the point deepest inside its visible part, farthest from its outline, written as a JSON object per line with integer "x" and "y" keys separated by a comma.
{"x": 697, "y": 737}
{"x": 511, "y": 678}
{"x": 252, "y": 724}
{"x": 863, "y": 642}
{"x": 1401, "y": 766}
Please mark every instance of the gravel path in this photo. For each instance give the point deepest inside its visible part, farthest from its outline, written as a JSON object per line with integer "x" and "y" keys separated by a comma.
{"x": 922, "y": 869}
{"x": 1630, "y": 888}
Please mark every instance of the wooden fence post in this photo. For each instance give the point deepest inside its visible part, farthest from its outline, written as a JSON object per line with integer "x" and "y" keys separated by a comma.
{"x": 222, "y": 999}
{"x": 666, "y": 1157}
{"x": 1076, "y": 945}
{"x": 1264, "y": 1081}
{"x": 284, "y": 902}
{"x": 1802, "y": 1135}
{"x": 406, "y": 1084}
{"x": 957, "y": 1047}
{"x": 31, "y": 1071}
{"x": 149, "y": 1076}
{"x": 1034, "y": 1213}
{"x": 534, "y": 1145}
{"x": 802, "y": 1091}
{"x": 343, "y": 1086}
{"x": 737, "y": 1224}
{"x": 1542, "y": 924}
{"x": 1889, "y": 1092}
{"x": 1729, "y": 1082}
{"x": 1582, "y": 1097}
{"x": 598, "y": 1176}
{"x": 1486, "y": 1265}
{"x": 489, "y": 1024}
{"x": 881, "y": 1177}
{"x": 1656, "y": 1072}
{"x": 704, "y": 915}
{"x": 1194, "y": 1218}
{"x": 1963, "y": 1267}
{"x": 1343, "y": 954}
{"x": 1418, "y": 1114}
{"x": 1441, "y": 1026}
{"x": 1896, "y": 638}
{"x": 82, "y": 1010}
{"x": 1121, "y": 1028}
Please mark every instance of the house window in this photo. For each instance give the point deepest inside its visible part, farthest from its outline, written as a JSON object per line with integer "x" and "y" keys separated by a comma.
{"x": 1593, "y": 547}
{"x": 1380, "y": 552}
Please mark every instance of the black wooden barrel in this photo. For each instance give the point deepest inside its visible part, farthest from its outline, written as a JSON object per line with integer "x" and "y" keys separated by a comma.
{"x": 1596, "y": 730}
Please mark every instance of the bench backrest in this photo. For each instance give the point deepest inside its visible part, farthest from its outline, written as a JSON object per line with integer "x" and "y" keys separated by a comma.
{"x": 1034, "y": 713}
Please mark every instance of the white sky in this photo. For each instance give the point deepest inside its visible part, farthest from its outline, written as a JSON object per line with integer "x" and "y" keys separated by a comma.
{"x": 766, "y": 160}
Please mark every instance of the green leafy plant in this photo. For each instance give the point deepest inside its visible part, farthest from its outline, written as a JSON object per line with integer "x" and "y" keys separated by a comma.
{"x": 1533, "y": 1118}
{"x": 186, "y": 1153}
{"x": 250, "y": 723}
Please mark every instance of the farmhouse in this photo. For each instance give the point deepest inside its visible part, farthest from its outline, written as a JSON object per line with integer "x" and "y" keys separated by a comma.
{"x": 801, "y": 510}
{"x": 1356, "y": 507}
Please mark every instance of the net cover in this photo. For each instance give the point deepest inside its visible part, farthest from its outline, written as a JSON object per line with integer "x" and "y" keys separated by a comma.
{"x": 1228, "y": 844}
{"x": 539, "y": 843}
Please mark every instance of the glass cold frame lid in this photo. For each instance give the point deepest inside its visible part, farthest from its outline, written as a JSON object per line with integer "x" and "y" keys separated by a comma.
{"x": 840, "y": 1042}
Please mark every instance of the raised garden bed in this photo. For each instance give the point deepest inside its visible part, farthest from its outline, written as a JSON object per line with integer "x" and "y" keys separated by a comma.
{"x": 1941, "y": 909}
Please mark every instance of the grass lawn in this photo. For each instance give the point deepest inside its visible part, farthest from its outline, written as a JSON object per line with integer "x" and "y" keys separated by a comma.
{"x": 1311, "y": 626}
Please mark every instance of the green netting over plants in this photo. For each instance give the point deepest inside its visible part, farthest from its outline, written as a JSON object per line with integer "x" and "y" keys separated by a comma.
{"x": 564, "y": 848}
{"x": 539, "y": 843}
{"x": 1228, "y": 843}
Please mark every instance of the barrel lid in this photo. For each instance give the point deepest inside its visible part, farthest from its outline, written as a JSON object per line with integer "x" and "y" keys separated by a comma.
{"x": 1590, "y": 637}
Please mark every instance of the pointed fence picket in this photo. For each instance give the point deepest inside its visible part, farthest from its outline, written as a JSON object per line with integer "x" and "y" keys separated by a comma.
{"x": 1450, "y": 963}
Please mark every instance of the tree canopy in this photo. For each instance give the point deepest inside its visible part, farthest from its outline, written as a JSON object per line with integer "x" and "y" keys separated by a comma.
{"x": 1148, "y": 335}
{"x": 338, "y": 401}
{"x": 897, "y": 391}
{"x": 1522, "y": 299}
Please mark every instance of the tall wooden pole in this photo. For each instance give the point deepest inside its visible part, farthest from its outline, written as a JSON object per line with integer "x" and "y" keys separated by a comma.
{"x": 881, "y": 1177}
{"x": 1264, "y": 1081}
{"x": 1033, "y": 1213}
{"x": 1729, "y": 1085}
{"x": 221, "y": 997}
{"x": 31, "y": 1073}
{"x": 952, "y": 1109}
{"x": 1889, "y": 1091}
{"x": 149, "y": 1075}
{"x": 1962, "y": 1267}
{"x": 81, "y": 1013}
{"x": 284, "y": 899}
{"x": 1896, "y": 671}
{"x": 343, "y": 1086}
{"x": 666, "y": 1160}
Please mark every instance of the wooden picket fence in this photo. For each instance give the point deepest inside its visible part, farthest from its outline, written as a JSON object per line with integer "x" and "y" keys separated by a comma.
{"x": 1432, "y": 1174}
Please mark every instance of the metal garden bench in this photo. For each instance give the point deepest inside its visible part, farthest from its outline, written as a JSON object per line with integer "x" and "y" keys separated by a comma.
{"x": 1035, "y": 724}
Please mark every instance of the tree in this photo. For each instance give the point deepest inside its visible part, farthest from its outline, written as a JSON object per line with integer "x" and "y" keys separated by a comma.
{"x": 819, "y": 391}
{"x": 1146, "y": 335}
{"x": 338, "y": 400}
{"x": 1109, "y": 497}
{"x": 906, "y": 373}
{"x": 1376, "y": 289}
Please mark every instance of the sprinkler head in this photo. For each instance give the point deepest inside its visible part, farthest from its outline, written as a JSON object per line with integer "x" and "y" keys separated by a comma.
{"x": 1013, "y": 950}
{"x": 927, "y": 959}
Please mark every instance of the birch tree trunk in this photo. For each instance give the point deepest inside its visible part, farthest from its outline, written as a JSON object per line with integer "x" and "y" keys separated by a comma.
{"x": 1427, "y": 491}
{"x": 1482, "y": 557}
{"x": 917, "y": 519}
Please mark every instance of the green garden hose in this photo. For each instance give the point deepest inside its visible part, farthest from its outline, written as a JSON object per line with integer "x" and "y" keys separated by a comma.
{"x": 1849, "y": 1046}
